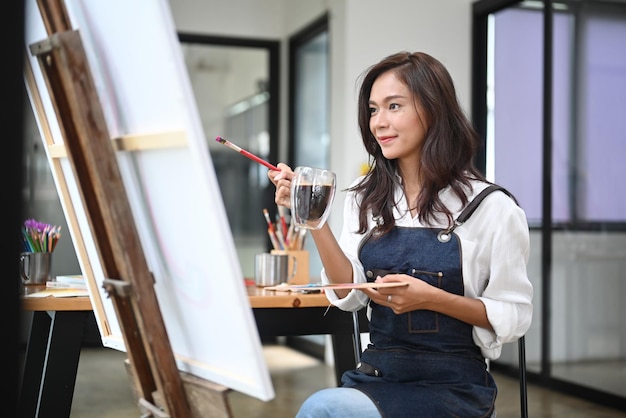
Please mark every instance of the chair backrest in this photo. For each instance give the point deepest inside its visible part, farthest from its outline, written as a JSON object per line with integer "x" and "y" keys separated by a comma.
{"x": 521, "y": 344}
{"x": 523, "y": 394}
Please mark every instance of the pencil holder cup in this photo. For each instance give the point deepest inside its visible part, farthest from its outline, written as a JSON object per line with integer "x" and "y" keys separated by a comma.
{"x": 273, "y": 269}
{"x": 299, "y": 259}
{"x": 35, "y": 268}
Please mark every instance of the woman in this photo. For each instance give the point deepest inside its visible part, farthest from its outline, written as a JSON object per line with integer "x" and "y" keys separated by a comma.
{"x": 467, "y": 290}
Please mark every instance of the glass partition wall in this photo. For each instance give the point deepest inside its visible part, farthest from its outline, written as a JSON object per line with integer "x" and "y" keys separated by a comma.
{"x": 235, "y": 84}
{"x": 550, "y": 98}
{"x": 309, "y": 95}
{"x": 309, "y": 130}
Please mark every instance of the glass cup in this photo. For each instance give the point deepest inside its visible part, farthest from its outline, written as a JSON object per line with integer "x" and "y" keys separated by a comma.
{"x": 312, "y": 195}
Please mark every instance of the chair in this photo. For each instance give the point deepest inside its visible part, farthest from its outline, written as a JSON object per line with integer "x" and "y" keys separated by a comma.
{"x": 521, "y": 344}
{"x": 523, "y": 394}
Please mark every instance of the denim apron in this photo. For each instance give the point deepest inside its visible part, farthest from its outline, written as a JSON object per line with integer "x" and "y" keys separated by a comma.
{"x": 422, "y": 363}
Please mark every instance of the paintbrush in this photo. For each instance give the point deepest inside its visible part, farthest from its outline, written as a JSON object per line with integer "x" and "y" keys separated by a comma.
{"x": 283, "y": 223}
{"x": 271, "y": 230}
{"x": 246, "y": 153}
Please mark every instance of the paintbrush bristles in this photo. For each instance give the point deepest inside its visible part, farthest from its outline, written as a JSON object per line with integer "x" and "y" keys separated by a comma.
{"x": 228, "y": 143}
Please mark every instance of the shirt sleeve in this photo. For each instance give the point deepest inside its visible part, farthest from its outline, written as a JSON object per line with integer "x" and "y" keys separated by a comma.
{"x": 502, "y": 274}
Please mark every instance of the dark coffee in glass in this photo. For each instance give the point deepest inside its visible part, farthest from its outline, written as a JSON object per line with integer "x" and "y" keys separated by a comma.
{"x": 312, "y": 195}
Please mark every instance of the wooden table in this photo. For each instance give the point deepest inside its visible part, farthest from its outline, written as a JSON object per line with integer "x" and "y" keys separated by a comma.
{"x": 293, "y": 314}
{"x": 261, "y": 298}
{"x": 57, "y": 328}
{"x": 52, "y": 354}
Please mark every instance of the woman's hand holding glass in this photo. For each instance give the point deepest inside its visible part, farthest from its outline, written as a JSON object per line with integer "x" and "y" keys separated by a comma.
{"x": 282, "y": 180}
{"x": 309, "y": 193}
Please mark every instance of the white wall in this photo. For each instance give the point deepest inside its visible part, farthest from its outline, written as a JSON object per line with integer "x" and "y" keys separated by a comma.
{"x": 234, "y": 18}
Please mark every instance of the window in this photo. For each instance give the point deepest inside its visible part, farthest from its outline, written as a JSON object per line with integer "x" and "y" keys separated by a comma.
{"x": 589, "y": 104}
{"x": 549, "y": 89}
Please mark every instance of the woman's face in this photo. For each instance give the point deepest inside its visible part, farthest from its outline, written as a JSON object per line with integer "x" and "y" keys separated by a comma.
{"x": 395, "y": 121}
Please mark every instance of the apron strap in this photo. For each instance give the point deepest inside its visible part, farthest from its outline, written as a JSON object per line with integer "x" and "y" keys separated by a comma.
{"x": 467, "y": 212}
{"x": 445, "y": 235}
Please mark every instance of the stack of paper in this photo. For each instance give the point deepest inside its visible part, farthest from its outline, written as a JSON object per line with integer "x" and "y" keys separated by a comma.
{"x": 76, "y": 281}
{"x": 59, "y": 293}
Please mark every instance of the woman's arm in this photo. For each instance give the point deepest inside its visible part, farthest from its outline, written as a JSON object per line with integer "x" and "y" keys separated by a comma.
{"x": 336, "y": 265}
{"x": 419, "y": 295}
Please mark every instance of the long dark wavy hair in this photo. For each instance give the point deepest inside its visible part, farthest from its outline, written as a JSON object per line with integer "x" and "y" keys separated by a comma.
{"x": 447, "y": 151}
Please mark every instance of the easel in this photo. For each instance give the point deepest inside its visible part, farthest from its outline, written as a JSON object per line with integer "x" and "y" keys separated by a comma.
{"x": 162, "y": 390}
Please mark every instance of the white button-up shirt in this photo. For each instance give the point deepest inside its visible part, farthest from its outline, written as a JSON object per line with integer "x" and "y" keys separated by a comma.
{"x": 495, "y": 251}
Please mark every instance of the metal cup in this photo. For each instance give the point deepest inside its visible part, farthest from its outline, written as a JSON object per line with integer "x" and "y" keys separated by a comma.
{"x": 35, "y": 268}
{"x": 272, "y": 269}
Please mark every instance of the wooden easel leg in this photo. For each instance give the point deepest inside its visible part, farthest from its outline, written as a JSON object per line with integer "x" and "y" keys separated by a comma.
{"x": 206, "y": 399}
{"x": 65, "y": 66}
